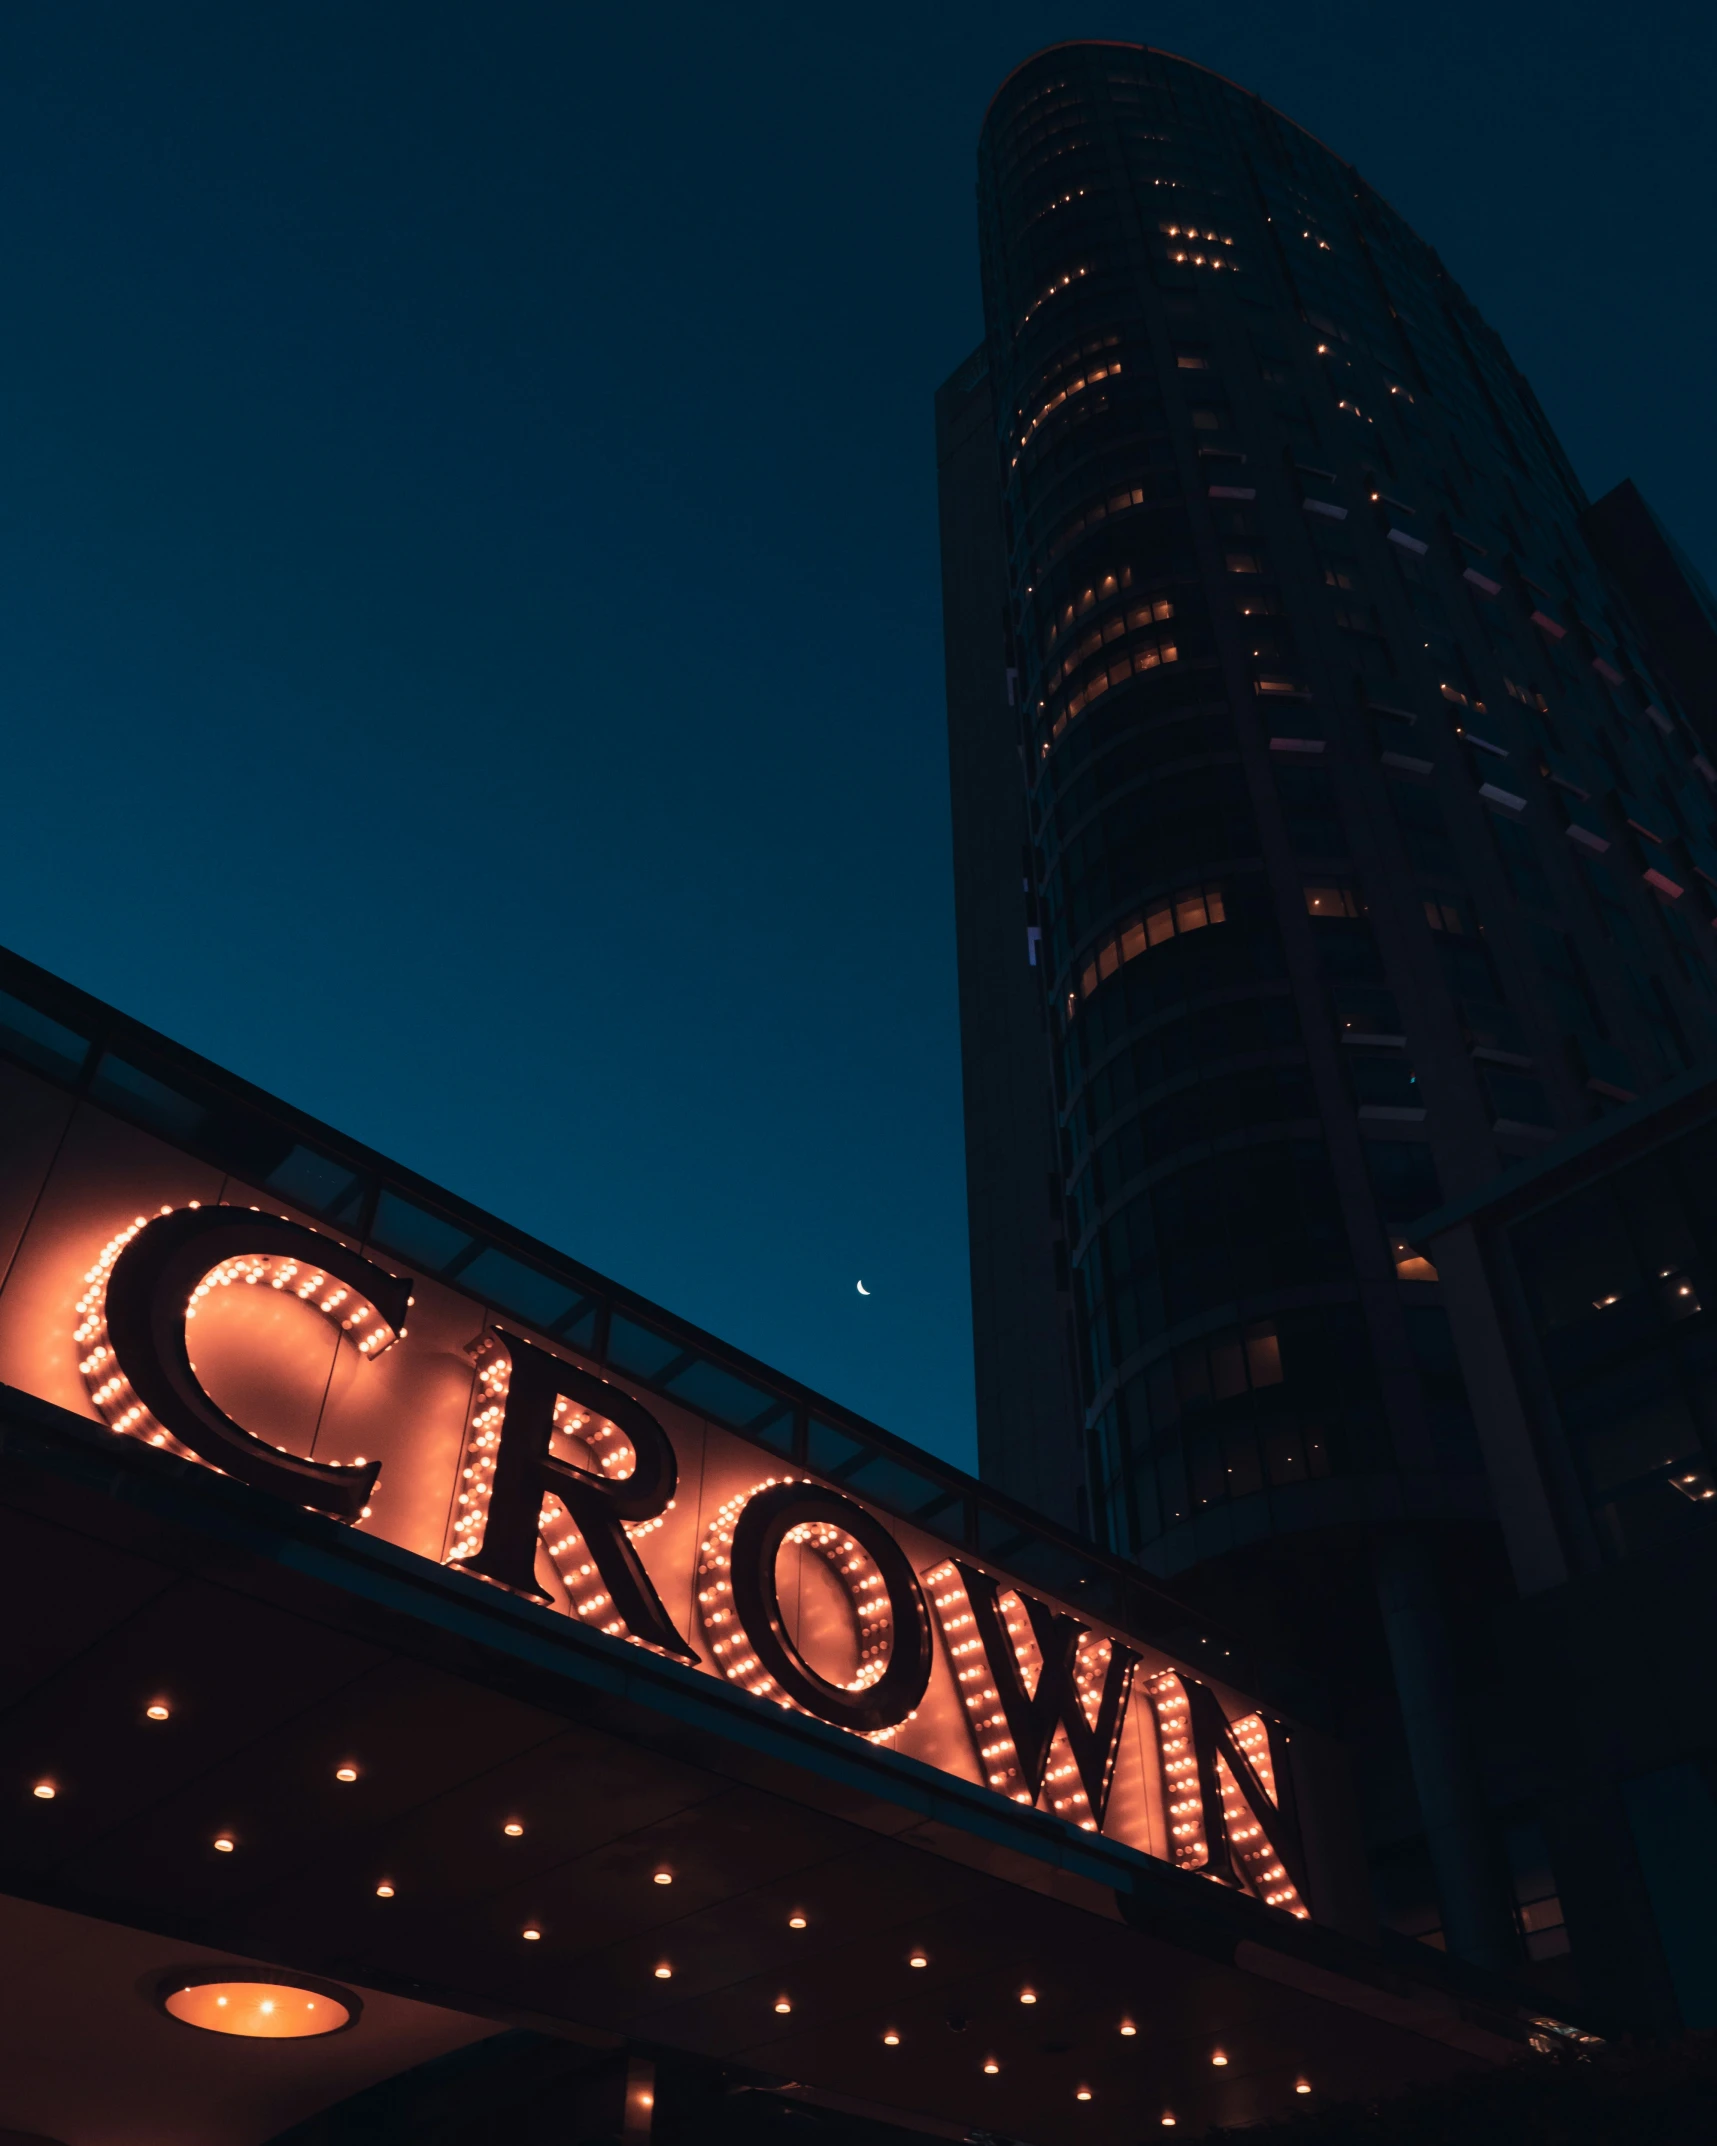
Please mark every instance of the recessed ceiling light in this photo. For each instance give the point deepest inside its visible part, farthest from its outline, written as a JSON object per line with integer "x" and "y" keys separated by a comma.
{"x": 1127, "y": 2027}
{"x": 1028, "y": 1996}
{"x": 991, "y": 2066}
{"x": 783, "y": 2004}
{"x": 891, "y": 2040}
{"x": 664, "y": 1973}
{"x": 384, "y": 1891}
{"x": 530, "y": 1933}
{"x": 347, "y": 1772}
{"x": 258, "y": 2008}
{"x": 796, "y": 1921}
{"x": 1217, "y": 2058}
{"x": 45, "y": 1790}
{"x": 512, "y": 1829}
{"x": 1302, "y": 2086}
{"x": 157, "y": 1710}
{"x": 664, "y": 1877}
{"x": 224, "y": 1843}
{"x": 917, "y": 1959}
{"x": 1082, "y": 2093}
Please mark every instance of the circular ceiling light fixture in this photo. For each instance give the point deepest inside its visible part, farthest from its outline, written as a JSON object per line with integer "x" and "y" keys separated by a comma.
{"x": 263, "y": 2006}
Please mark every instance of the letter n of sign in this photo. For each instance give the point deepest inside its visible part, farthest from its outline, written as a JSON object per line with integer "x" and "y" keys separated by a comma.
{"x": 1015, "y": 1729}
{"x": 1230, "y": 1792}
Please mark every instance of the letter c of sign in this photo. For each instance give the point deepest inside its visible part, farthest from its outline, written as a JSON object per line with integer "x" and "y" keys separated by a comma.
{"x": 764, "y": 1524}
{"x": 149, "y": 1294}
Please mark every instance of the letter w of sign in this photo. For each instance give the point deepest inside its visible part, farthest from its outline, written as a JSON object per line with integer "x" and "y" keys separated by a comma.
{"x": 1015, "y": 1729}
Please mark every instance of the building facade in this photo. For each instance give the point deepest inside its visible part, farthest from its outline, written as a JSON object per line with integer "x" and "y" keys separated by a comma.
{"x": 1365, "y": 850}
{"x": 1582, "y": 1288}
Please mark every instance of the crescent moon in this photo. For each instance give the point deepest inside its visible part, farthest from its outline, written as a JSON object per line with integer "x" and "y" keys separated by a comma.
{"x": 863, "y": 1291}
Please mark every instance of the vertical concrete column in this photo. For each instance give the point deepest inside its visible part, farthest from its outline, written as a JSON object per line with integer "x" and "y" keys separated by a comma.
{"x": 1472, "y": 1884}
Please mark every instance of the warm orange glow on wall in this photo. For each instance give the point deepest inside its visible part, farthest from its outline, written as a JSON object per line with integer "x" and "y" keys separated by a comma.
{"x": 439, "y": 1463}
{"x": 110, "y": 1391}
{"x": 260, "y": 2011}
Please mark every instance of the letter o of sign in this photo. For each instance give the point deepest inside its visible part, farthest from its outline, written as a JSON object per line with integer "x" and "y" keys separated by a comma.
{"x": 894, "y": 1625}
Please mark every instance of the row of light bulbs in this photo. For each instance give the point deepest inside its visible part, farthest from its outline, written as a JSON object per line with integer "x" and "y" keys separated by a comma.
{"x": 46, "y": 1790}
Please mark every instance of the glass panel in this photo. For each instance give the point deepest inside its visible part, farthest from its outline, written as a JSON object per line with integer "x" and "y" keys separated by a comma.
{"x": 39, "y": 1042}
{"x": 1038, "y": 1559}
{"x": 872, "y": 1473}
{"x": 313, "y": 1181}
{"x": 512, "y": 1286}
{"x": 425, "y": 1238}
{"x": 1672, "y": 1815}
{"x": 580, "y": 1330}
{"x": 148, "y": 1100}
{"x": 714, "y": 1392}
{"x": 638, "y": 1350}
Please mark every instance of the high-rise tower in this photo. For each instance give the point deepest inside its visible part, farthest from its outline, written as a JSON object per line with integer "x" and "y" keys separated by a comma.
{"x": 1360, "y": 852}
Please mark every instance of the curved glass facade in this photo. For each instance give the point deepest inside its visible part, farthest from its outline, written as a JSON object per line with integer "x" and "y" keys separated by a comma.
{"x": 1366, "y": 852}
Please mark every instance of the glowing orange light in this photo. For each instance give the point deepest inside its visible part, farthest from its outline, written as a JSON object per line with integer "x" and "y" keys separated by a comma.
{"x": 991, "y": 2066}
{"x": 663, "y": 1877}
{"x": 664, "y": 1973}
{"x": 1028, "y": 1996}
{"x": 224, "y": 1844}
{"x": 530, "y": 1933}
{"x": 512, "y": 1829}
{"x": 1302, "y": 2086}
{"x": 156, "y": 1710}
{"x": 348, "y": 1772}
{"x": 261, "y": 2011}
{"x": 45, "y": 1790}
{"x": 891, "y": 2040}
{"x": 917, "y": 1959}
{"x": 796, "y": 1921}
{"x": 384, "y": 1891}
{"x": 1217, "y": 2058}
{"x": 783, "y": 2004}
{"x": 1082, "y": 2093}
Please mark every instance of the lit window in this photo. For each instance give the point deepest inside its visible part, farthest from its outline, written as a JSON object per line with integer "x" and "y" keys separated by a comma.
{"x": 1173, "y": 918}
{"x": 1329, "y": 901}
{"x": 1116, "y": 627}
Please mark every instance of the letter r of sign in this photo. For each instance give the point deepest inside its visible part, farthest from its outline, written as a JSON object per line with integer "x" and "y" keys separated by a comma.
{"x": 527, "y": 1470}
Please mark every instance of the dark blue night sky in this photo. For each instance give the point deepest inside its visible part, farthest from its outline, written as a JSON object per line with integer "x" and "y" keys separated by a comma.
{"x": 469, "y": 622}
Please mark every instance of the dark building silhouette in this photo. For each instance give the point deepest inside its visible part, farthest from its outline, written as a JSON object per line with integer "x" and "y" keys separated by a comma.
{"x": 1363, "y": 850}
{"x": 1022, "y": 1301}
{"x": 1668, "y": 594}
{"x": 1582, "y": 1288}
